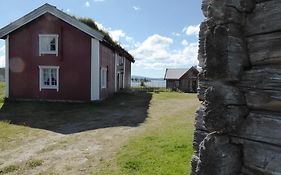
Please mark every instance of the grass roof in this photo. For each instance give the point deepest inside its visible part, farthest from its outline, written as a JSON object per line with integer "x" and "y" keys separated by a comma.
{"x": 107, "y": 38}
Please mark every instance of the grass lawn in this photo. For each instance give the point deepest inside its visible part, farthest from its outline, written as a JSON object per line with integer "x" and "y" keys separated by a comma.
{"x": 163, "y": 145}
{"x": 131, "y": 133}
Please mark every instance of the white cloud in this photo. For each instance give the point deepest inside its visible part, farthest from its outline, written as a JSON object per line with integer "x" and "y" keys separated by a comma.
{"x": 176, "y": 34}
{"x": 87, "y": 4}
{"x": 68, "y": 10}
{"x": 192, "y": 30}
{"x": 155, "y": 53}
{"x": 100, "y": 26}
{"x": 184, "y": 42}
{"x": 136, "y": 8}
{"x": 99, "y": 0}
{"x": 116, "y": 34}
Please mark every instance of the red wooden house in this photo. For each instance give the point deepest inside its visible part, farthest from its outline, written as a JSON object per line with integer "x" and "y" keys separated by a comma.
{"x": 53, "y": 56}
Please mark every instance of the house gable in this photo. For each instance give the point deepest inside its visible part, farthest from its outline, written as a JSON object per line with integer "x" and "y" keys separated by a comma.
{"x": 191, "y": 73}
{"x": 47, "y": 8}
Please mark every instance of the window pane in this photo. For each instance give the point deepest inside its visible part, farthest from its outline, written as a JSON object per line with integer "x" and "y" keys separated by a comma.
{"x": 53, "y": 44}
{"x": 46, "y": 79}
{"x": 103, "y": 78}
{"x": 48, "y": 43}
{"x": 54, "y": 77}
{"x": 44, "y": 44}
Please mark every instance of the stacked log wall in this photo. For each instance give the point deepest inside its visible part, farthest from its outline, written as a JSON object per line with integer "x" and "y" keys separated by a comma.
{"x": 238, "y": 127}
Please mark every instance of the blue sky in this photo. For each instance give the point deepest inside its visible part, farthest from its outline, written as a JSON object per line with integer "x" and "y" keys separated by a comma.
{"x": 159, "y": 34}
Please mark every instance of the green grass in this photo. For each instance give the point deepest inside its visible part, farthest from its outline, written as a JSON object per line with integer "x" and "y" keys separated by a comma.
{"x": 11, "y": 135}
{"x": 9, "y": 169}
{"x": 165, "y": 144}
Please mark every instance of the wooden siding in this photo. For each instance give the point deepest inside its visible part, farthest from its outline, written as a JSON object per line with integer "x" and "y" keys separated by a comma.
{"x": 107, "y": 60}
{"x": 127, "y": 73}
{"x": 73, "y": 60}
{"x": 189, "y": 82}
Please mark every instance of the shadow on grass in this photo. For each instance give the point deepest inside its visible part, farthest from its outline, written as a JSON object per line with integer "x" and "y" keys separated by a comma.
{"x": 124, "y": 109}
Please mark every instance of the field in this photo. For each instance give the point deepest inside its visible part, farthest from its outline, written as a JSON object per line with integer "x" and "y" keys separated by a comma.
{"x": 131, "y": 133}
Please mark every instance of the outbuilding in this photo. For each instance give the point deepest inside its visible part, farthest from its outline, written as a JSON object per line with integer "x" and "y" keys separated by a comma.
{"x": 185, "y": 80}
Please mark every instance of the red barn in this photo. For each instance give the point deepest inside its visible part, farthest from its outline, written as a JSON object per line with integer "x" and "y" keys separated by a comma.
{"x": 53, "y": 56}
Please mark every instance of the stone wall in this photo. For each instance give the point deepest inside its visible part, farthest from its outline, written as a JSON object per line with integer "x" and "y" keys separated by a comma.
{"x": 238, "y": 127}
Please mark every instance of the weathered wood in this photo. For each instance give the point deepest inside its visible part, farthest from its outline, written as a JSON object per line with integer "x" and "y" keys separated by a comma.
{"x": 260, "y": 1}
{"x": 226, "y": 55}
{"x": 218, "y": 157}
{"x": 265, "y": 49}
{"x": 265, "y": 18}
{"x": 261, "y": 126}
{"x": 197, "y": 139}
{"x": 225, "y": 108}
{"x": 194, "y": 162}
{"x": 262, "y": 78}
{"x": 267, "y": 100}
{"x": 199, "y": 122}
{"x": 262, "y": 89}
{"x": 249, "y": 171}
{"x": 240, "y": 89}
{"x": 260, "y": 158}
{"x": 222, "y": 7}
{"x": 202, "y": 38}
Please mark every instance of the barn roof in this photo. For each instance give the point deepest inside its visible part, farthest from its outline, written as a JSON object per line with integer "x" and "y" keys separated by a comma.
{"x": 47, "y": 8}
{"x": 176, "y": 74}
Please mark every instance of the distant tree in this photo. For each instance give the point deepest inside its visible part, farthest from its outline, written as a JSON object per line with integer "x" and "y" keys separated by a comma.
{"x": 142, "y": 83}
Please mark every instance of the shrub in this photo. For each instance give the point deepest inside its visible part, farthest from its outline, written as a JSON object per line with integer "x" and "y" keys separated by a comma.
{"x": 34, "y": 163}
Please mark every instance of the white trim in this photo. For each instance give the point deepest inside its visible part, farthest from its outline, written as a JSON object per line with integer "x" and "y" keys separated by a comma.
{"x": 49, "y": 52}
{"x": 116, "y": 66}
{"x": 47, "y": 8}
{"x": 124, "y": 73}
{"x": 7, "y": 66}
{"x": 95, "y": 69}
{"x": 41, "y": 86}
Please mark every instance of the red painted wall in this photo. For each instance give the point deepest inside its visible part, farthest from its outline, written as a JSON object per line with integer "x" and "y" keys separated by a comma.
{"x": 74, "y": 60}
{"x": 107, "y": 60}
{"x": 127, "y": 73}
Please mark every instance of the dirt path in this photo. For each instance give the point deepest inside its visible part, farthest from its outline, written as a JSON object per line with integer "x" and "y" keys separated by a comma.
{"x": 67, "y": 138}
{"x": 68, "y": 154}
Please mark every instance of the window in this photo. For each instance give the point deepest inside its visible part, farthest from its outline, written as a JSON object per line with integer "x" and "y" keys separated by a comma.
{"x": 49, "y": 77}
{"x": 103, "y": 77}
{"x": 121, "y": 61}
{"x": 48, "y": 44}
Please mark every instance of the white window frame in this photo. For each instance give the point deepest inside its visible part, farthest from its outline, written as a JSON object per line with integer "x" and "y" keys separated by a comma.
{"x": 56, "y": 36}
{"x": 41, "y": 83}
{"x": 103, "y": 77}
